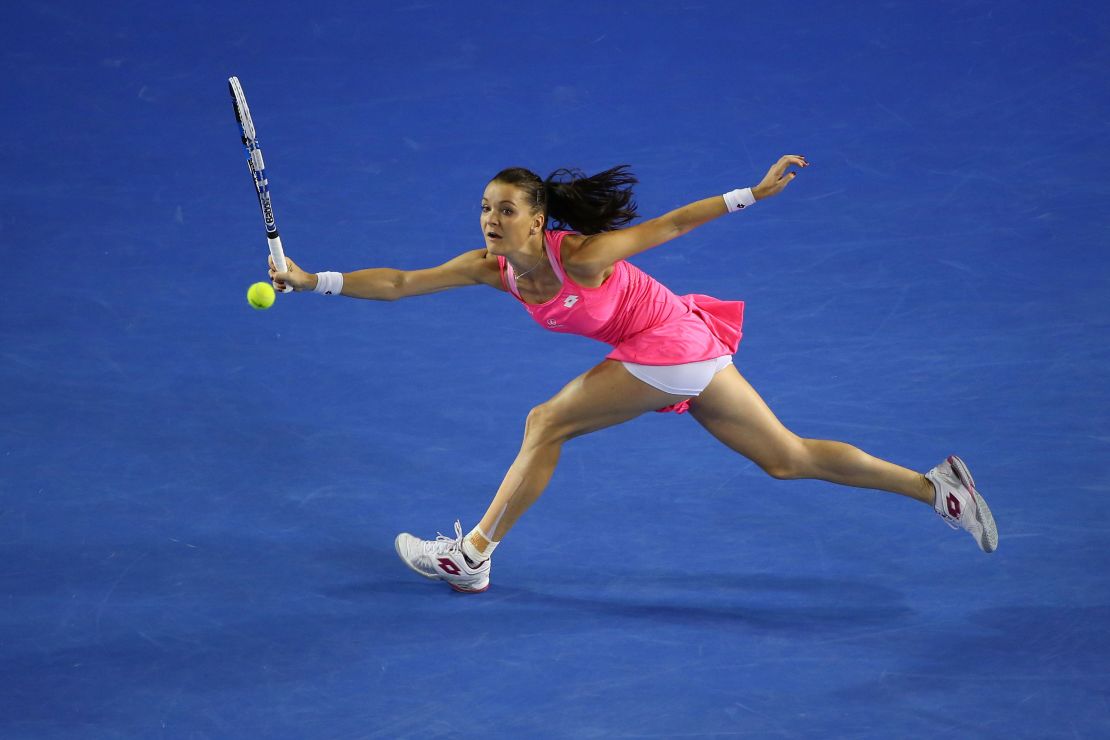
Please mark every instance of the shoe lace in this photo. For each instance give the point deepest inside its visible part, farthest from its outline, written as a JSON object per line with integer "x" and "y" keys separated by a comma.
{"x": 452, "y": 544}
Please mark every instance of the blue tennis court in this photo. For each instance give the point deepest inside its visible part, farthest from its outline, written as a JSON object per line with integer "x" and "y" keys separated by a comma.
{"x": 198, "y": 500}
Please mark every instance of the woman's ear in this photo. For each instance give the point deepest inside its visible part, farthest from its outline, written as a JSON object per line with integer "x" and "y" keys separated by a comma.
{"x": 537, "y": 223}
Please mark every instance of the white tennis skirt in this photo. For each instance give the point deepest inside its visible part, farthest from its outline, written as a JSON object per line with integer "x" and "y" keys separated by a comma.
{"x": 688, "y": 379}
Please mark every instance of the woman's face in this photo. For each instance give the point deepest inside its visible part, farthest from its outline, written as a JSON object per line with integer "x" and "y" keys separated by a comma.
{"x": 507, "y": 219}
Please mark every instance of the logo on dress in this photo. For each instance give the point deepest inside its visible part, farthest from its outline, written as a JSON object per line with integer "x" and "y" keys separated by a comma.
{"x": 570, "y": 301}
{"x": 552, "y": 322}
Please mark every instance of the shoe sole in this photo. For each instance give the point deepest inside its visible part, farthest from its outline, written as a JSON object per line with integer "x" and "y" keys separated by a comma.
{"x": 462, "y": 590}
{"x": 417, "y": 571}
{"x": 983, "y": 515}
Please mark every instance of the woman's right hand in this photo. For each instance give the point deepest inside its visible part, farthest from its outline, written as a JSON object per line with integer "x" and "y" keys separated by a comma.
{"x": 294, "y": 277}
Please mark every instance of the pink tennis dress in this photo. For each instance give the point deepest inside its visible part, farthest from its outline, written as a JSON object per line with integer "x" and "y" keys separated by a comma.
{"x": 638, "y": 316}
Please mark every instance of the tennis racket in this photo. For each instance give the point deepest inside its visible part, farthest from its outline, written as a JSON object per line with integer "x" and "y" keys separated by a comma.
{"x": 258, "y": 172}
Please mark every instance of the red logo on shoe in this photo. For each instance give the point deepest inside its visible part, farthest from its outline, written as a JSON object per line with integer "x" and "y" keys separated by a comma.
{"x": 449, "y": 566}
{"x": 953, "y": 506}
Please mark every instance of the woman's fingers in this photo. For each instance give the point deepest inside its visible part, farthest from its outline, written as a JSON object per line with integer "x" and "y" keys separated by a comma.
{"x": 780, "y": 175}
{"x": 790, "y": 160}
{"x": 282, "y": 279}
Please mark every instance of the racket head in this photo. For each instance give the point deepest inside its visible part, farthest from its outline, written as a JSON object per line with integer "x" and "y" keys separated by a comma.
{"x": 258, "y": 170}
{"x": 242, "y": 110}
{"x": 254, "y": 153}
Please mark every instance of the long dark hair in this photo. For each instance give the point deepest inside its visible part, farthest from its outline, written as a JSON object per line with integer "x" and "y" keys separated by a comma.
{"x": 571, "y": 199}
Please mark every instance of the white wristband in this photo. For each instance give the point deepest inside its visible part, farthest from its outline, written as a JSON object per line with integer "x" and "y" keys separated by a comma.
{"x": 329, "y": 283}
{"x": 738, "y": 200}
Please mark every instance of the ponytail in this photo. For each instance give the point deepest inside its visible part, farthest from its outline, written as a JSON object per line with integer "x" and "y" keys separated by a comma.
{"x": 568, "y": 198}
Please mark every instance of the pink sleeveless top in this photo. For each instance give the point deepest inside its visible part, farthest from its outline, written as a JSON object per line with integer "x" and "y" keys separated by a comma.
{"x": 639, "y": 317}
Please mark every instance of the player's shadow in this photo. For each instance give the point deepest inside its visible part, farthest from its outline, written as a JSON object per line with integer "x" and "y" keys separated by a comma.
{"x": 763, "y": 601}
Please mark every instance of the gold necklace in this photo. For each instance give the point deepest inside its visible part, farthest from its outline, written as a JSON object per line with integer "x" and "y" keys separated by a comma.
{"x": 533, "y": 267}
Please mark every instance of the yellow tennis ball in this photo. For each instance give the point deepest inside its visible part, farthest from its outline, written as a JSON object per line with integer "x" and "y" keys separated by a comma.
{"x": 260, "y": 295}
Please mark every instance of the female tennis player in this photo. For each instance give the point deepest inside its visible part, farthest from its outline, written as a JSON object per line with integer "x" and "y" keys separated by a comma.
{"x": 670, "y": 353}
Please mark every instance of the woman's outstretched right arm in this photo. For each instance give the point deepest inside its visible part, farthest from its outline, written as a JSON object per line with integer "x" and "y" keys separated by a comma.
{"x": 386, "y": 284}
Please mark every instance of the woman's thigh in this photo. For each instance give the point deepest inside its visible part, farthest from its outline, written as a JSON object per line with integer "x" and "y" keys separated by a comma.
{"x": 731, "y": 410}
{"x": 605, "y": 395}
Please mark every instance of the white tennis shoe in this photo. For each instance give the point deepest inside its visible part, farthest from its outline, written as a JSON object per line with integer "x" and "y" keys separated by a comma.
{"x": 960, "y": 505}
{"x": 442, "y": 559}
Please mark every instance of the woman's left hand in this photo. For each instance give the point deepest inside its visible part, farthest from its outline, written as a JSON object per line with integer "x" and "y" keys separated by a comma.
{"x": 779, "y": 176}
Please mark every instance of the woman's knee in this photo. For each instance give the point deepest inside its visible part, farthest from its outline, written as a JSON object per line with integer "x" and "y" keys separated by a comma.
{"x": 791, "y": 462}
{"x": 781, "y": 470}
{"x": 543, "y": 424}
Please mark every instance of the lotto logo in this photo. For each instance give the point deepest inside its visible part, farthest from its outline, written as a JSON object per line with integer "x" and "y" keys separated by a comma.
{"x": 953, "y": 506}
{"x": 447, "y": 566}
{"x": 570, "y": 301}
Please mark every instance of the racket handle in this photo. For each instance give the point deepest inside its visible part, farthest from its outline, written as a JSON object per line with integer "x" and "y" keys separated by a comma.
{"x": 279, "y": 257}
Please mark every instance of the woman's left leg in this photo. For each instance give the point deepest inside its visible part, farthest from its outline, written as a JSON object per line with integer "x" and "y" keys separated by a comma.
{"x": 731, "y": 410}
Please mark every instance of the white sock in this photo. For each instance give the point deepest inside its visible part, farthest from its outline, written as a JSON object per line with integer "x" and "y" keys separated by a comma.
{"x": 472, "y": 552}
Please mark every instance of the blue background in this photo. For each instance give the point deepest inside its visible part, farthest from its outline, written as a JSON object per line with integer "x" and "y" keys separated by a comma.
{"x": 198, "y": 500}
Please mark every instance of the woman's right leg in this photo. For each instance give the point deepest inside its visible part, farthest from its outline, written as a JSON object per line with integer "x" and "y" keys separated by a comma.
{"x": 606, "y": 395}
{"x": 603, "y": 397}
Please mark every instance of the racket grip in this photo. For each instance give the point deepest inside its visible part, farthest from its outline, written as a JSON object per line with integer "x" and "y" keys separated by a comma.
{"x": 279, "y": 257}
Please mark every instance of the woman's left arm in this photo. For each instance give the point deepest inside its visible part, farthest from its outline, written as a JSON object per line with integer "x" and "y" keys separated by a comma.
{"x": 594, "y": 254}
